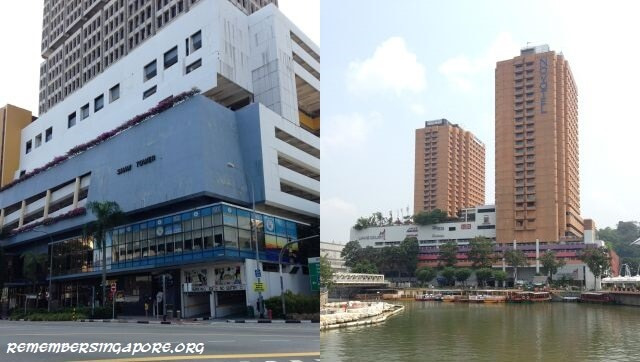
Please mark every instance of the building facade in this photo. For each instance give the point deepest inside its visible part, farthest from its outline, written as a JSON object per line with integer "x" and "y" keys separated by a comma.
{"x": 81, "y": 38}
{"x": 332, "y": 252}
{"x": 186, "y": 166}
{"x": 12, "y": 120}
{"x": 449, "y": 168}
{"x": 537, "y": 160}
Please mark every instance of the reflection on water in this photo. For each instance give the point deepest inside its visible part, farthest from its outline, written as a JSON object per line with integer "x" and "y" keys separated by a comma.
{"x": 434, "y": 331}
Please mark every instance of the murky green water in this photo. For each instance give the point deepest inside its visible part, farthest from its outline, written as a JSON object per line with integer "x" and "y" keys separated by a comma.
{"x": 436, "y": 331}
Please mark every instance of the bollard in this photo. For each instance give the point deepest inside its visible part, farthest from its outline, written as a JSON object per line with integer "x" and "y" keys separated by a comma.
{"x": 73, "y": 315}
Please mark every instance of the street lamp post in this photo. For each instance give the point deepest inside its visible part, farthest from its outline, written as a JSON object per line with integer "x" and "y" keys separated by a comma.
{"x": 253, "y": 230}
{"x": 50, "y": 266}
{"x": 284, "y": 308}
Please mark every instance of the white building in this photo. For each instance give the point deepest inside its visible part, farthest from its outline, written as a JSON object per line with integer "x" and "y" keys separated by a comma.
{"x": 480, "y": 221}
{"x": 332, "y": 252}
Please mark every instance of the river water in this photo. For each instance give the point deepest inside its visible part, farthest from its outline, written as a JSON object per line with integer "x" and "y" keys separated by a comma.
{"x": 436, "y": 331}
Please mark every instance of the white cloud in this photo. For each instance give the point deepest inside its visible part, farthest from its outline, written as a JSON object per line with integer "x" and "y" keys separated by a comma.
{"x": 337, "y": 216}
{"x": 348, "y": 131}
{"x": 391, "y": 68}
{"x": 461, "y": 70}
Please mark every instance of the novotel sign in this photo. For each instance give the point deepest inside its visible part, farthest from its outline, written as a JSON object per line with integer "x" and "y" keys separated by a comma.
{"x": 139, "y": 163}
{"x": 544, "y": 71}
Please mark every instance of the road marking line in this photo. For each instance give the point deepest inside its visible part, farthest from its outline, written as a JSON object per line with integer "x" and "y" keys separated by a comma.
{"x": 220, "y": 341}
{"x": 209, "y": 356}
{"x": 275, "y": 340}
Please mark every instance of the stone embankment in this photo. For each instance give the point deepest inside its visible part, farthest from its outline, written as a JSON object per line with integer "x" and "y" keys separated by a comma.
{"x": 354, "y": 313}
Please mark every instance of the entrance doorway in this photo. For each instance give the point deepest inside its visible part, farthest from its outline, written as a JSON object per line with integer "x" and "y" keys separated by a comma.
{"x": 231, "y": 303}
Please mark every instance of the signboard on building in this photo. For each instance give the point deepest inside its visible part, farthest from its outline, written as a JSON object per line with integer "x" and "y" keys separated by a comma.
{"x": 314, "y": 274}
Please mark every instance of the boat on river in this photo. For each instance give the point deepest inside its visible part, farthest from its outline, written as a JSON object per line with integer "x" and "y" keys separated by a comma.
{"x": 495, "y": 296}
{"x": 595, "y": 297}
{"x": 427, "y": 297}
{"x": 529, "y": 297}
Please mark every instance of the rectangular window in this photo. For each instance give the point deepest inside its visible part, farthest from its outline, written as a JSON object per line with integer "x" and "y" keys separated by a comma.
{"x": 149, "y": 92}
{"x": 114, "y": 93}
{"x": 38, "y": 140}
{"x": 48, "y": 134}
{"x": 98, "y": 103}
{"x": 28, "y": 147}
{"x": 171, "y": 57}
{"x": 84, "y": 111}
{"x": 193, "y": 66}
{"x": 71, "y": 120}
{"x": 196, "y": 41}
{"x": 150, "y": 70}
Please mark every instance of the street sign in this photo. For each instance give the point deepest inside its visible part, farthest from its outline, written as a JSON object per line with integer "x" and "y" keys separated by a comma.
{"x": 314, "y": 274}
{"x": 259, "y": 287}
{"x": 258, "y": 274}
{"x": 113, "y": 287}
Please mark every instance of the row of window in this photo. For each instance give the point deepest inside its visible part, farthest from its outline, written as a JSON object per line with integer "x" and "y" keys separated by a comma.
{"x": 193, "y": 43}
{"x": 98, "y": 104}
{"x": 48, "y": 135}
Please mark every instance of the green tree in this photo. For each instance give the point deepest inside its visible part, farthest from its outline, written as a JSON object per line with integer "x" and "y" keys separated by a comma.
{"x": 362, "y": 223}
{"x": 448, "y": 253}
{"x": 425, "y": 274}
{"x": 365, "y": 267}
{"x": 410, "y": 249}
{"x": 515, "y": 259}
{"x": 597, "y": 259}
{"x": 500, "y": 276}
{"x": 483, "y": 275}
{"x": 108, "y": 215}
{"x": 449, "y": 274}
{"x": 481, "y": 252}
{"x": 430, "y": 217}
{"x": 351, "y": 253}
{"x": 462, "y": 275}
{"x": 551, "y": 264}
{"x": 326, "y": 273}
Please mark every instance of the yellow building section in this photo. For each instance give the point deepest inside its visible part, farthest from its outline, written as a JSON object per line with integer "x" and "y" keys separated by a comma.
{"x": 12, "y": 120}
{"x": 312, "y": 124}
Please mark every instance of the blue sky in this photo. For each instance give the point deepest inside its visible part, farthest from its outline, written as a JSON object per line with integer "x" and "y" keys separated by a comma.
{"x": 387, "y": 66}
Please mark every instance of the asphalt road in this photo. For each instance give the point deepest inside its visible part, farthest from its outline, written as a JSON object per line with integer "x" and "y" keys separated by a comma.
{"x": 220, "y": 341}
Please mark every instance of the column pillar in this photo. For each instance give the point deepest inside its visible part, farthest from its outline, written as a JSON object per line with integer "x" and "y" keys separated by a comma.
{"x": 537, "y": 256}
{"x": 47, "y": 203}
{"x": 23, "y": 209}
{"x": 1, "y": 218}
{"x": 76, "y": 193}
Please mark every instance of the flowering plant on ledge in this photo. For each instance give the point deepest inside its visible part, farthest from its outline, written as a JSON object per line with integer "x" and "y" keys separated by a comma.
{"x": 50, "y": 220}
{"x": 162, "y": 106}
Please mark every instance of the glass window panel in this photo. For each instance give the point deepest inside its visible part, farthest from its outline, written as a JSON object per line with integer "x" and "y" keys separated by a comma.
{"x": 177, "y": 228}
{"x": 229, "y": 216}
{"x": 292, "y": 230}
{"x": 196, "y": 223}
{"x": 152, "y": 247}
{"x": 281, "y": 241}
{"x": 136, "y": 250}
{"x": 208, "y": 238}
{"x": 145, "y": 248}
{"x": 217, "y": 237}
{"x": 217, "y": 216}
{"x": 187, "y": 242}
{"x": 178, "y": 243}
{"x": 244, "y": 239}
{"x": 230, "y": 237}
{"x": 129, "y": 251}
{"x": 160, "y": 246}
{"x": 168, "y": 245}
{"x": 244, "y": 219}
{"x": 197, "y": 239}
{"x": 270, "y": 241}
{"x": 261, "y": 241}
{"x": 186, "y": 225}
{"x": 206, "y": 221}
{"x": 281, "y": 227}
{"x": 269, "y": 225}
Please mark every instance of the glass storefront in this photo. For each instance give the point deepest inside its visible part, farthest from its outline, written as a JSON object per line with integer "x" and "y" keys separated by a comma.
{"x": 208, "y": 233}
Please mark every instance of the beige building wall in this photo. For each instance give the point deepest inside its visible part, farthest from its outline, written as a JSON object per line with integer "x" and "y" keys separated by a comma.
{"x": 537, "y": 175}
{"x": 449, "y": 168}
{"x": 12, "y": 120}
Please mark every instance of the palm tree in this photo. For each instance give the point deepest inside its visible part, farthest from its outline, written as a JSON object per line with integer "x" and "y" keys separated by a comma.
{"x": 108, "y": 215}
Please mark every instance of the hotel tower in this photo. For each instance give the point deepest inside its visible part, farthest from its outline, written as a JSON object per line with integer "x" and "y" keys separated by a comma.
{"x": 537, "y": 177}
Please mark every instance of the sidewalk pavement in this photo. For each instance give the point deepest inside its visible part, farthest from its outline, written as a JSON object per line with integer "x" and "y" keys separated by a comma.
{"x": 154, "y": 320}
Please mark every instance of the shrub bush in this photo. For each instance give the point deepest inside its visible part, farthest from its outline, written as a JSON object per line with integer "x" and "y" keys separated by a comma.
{"x": 296, "y": 303}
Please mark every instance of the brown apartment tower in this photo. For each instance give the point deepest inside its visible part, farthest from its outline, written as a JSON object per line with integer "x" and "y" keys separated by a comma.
{"x": 537, "y": 178}
{"x": 449, "y": 168}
